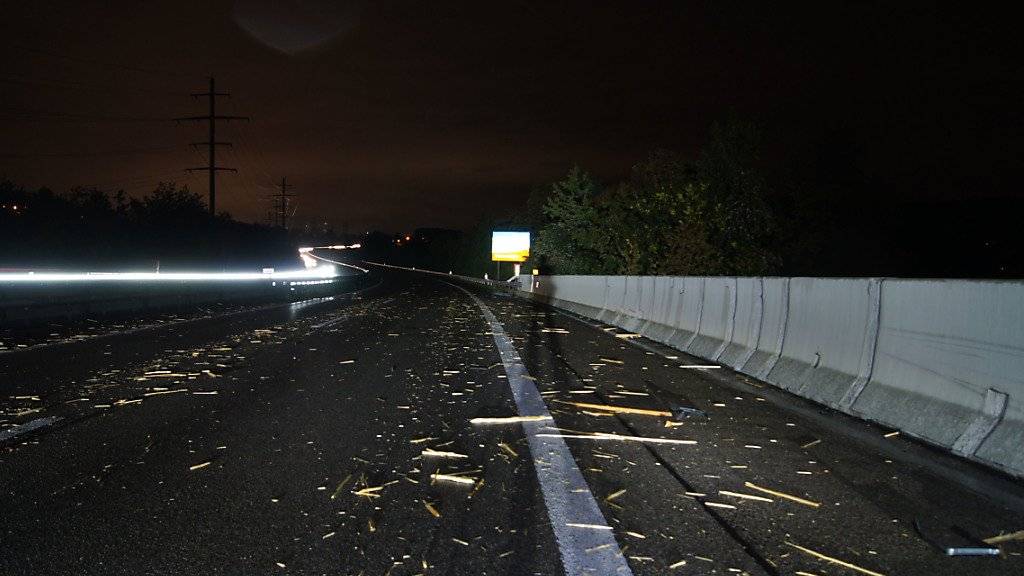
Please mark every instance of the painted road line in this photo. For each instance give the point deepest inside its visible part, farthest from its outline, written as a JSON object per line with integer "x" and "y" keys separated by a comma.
{"x": 27, "y": 427}
{"x": 585, "y": 541}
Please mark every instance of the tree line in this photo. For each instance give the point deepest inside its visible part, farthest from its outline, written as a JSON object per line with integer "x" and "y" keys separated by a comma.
{"x": 87, "y": 228}
{"x": 728, "y": 210}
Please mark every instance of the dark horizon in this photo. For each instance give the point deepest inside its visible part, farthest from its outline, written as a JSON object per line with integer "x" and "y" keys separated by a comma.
{"x": 396, "y": 116}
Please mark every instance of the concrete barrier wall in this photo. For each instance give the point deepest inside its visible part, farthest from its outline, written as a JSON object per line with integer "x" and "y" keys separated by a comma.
{"x": 941, "y": 360}
{"x": 949, "y": 366}
{"x": 746, "y": 325}
{"x": 774, "y": 310}
{"x": 828, "y": 337}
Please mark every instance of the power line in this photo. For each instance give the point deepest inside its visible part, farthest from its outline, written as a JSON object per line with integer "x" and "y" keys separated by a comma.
{"x": 212, "y": 143}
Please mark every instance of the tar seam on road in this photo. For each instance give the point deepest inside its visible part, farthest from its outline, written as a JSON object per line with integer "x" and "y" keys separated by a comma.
{"x": 585, "y": 541}
{"x": 27, "y": 427}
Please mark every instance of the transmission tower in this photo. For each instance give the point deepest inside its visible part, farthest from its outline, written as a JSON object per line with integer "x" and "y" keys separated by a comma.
{"x": 211, "y": 143}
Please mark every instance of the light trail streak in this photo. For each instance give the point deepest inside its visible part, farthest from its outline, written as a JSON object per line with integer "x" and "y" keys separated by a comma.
{"x": 318, "y": 273}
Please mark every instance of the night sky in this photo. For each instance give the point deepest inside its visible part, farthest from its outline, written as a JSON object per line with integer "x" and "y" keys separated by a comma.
{"x": 394, "y": 115}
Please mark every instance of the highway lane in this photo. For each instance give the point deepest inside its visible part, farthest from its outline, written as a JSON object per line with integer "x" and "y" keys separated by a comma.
{"x": 303, "y": 440}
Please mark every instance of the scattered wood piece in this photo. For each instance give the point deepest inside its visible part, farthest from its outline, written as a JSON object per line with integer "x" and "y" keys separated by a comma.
{"x": 165, "y": 392}
{"x": 1018, "y": 535}
{"x": 746, "y": 496}
{"x": 421, "y": 440}
{"x": 588, "y": 526}
{"x": 719, "y": 505}
{"x": 508, "y": 449}
{"x": 509, "y": 419}
{"x": 200, "y": 465}
{"x": 679, "y": 564}
{"x": 452, "y": 478}
{"x": 430, "y": 508}
{"x": 614, "y": 495}
{"x": 340, "y": 486}
{"x": 607, "y": 436}
{"x": 369, "y": 491}
{"x": 617, "y": 409}
{"x": 812, "y": 443}
{"x": 797, "y": 499}
{"x": 442, "y": 454}
{"x": 891, "y": 434}
{"x": 611, "y": 360}
{"x": 700, "y": 366}
{"x": 627, "y": 335}
{"x": 821, "y": 556}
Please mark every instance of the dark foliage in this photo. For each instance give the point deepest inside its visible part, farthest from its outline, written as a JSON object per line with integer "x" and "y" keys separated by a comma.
{"x": 89, "y": 229}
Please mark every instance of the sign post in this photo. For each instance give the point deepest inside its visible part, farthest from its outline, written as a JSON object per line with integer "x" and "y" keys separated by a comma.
{"x": 509, "y": 246}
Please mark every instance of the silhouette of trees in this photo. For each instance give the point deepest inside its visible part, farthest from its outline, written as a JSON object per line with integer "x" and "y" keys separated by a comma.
{"x": 89, "y": 228}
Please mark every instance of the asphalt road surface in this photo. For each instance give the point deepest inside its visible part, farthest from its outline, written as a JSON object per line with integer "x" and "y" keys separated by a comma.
{"x": 339, "y": 436}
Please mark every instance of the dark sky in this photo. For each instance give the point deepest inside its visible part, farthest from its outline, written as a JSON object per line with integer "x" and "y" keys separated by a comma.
{"x": 401, "y": 114}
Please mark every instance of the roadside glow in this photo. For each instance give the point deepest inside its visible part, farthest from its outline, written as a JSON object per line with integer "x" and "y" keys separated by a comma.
{"x": 319, "y": 272}
{"x": 308, "y": 260}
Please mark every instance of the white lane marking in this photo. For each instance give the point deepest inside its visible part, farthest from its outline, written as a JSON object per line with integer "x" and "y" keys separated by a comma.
{"x": 571, "y": 506}
{"x": 27, "y": 427}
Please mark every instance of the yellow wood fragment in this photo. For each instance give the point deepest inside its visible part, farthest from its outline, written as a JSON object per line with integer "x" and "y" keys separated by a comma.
{"x": 796, "y": 499}
{"x": 834, "y": 560}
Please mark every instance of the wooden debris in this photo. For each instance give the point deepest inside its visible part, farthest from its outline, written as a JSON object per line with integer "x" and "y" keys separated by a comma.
{"x": 430, "y": 508}
{"x": 509, "y": 419}
{"x": 607, "y": 436}
{"x": 891, "y": 434}
{"x": 200, "y": 465}
{"x": 797, "y": 499}
{"x": 452, "y": 478}
{"x": 611, "y": 360}
{"x": 1018, "y": 535}
{"x": 746, "y": 496}
{"x": 617, "y": 409}
{"x": 442, "y": 454}
{"x": 811, "y": 443}
{"x": 369, "y": 491}
{"x": 821, "y": 556}
{"x": 590, "y": 526}
{"x": 614, "y": 495}
{"x": 165, "y": 392}
{"x": 340, "y": 486}
{"x": 508, "y": 449}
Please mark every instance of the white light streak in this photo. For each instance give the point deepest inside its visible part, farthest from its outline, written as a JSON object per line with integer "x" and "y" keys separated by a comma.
{"x": 320, "y": 272}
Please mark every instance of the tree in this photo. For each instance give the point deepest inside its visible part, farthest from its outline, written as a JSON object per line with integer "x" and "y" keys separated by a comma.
{"x": 571, "y": 241}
